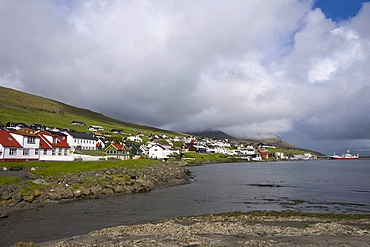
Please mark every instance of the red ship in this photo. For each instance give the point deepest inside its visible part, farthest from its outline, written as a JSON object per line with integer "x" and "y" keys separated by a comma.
{"x": 345, "y": 156}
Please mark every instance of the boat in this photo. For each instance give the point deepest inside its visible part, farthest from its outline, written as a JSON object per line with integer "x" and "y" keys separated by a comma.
{"x": 345, "y": 156}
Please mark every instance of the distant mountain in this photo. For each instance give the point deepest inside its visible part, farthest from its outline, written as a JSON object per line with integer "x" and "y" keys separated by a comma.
{"x": 17, "y": 106}
{"x": 215, "y": 134}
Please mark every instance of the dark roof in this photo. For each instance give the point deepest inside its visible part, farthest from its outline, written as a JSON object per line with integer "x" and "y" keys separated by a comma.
{"x": 37, "y": 126}
{"x": 132, "y": 146}
{"x": 12, "y": 124}
{"x": 81, "y": 135}
{"x": 62, "y": 135}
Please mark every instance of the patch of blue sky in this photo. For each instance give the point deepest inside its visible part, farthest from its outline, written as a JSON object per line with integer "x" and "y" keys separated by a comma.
{"x": 336, "y": 10}
{"x": 339, "y": 10}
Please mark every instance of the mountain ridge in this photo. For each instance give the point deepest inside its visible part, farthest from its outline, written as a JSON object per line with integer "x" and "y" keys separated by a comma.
{"x": 18, "y": 106}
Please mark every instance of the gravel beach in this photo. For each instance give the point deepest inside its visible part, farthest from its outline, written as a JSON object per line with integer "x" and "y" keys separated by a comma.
{"x": 234, "y": 229}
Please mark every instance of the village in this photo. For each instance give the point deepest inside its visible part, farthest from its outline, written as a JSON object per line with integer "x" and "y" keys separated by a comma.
{"x": 21, "y": 142}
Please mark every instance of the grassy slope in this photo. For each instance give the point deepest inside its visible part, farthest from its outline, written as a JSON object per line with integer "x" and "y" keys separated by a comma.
{"x": 16, "y": 106}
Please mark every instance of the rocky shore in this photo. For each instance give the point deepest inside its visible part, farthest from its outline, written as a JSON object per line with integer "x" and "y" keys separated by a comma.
{"x": 91, "y": 184}
{"x": 235, "y": 229}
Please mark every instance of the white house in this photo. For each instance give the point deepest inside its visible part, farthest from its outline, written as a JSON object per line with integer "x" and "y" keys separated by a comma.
{"x": 29, "y": 143}
{"x": 11, "y": 148}
{"x": 54, "y": 147}
{"x": 135, "y": 139}
{"x": 95, "y": 128}
{"x": 158, "y": 151}
{"x": 80, "y": 140}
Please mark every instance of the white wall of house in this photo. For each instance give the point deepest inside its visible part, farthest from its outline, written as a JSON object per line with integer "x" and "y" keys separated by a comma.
{"x": 30, "y": 148}
{"x": 135, "y": 139}
{"x": 19, "y": 153}
{"x": 56, "y": 154}
{"x": 158, "y": 152}
{"x": 96, "y": 128}
{"x": 2, "y": 149}
{"x": 7, "y": 154}
{"x": 249, "y": 151}
{"x": 85, "y": 144}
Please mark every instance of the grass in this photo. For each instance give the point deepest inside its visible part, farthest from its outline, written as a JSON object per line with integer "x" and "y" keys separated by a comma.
{"x": 30, "y": 189}
{"x": 59, "y": 168}
{"x": 9, "y": 180}
{"x": 205, "y": 158}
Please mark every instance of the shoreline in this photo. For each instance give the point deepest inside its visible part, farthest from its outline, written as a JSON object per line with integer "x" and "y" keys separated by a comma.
{"x": 91, "y": 185}
{"x": 231, "y": 220}
{"x": 233, "y": 229}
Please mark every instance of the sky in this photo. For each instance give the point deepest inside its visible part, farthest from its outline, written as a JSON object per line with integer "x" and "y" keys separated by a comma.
{"x": 297, "y": 69}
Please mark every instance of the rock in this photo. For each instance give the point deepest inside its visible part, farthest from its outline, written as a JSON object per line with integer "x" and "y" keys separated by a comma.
{"x": 119, "y": 189}
{"x": 6, "y": 196}
{"x": 129, "y": 189}
{"x": 29, "y": 198}
{"x": 39, "y": 181}
{"x": 3, "y": 214}
{"x": 67, "y": 194}
{"x": 37, "y": 193}
{"x": 96, "y": 191}
{"x": 57, "y": 188}
{"x": 85, "y": 191}
{"x": 137, "y": 187}
{"x": 53, "y": 196}
{"x": 107, "y": 191}
{"x": 17, "y": 197}
{"x": 77, "y": 193}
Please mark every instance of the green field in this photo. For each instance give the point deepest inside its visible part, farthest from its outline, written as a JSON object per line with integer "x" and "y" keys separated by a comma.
{"x": 59, "y": 168}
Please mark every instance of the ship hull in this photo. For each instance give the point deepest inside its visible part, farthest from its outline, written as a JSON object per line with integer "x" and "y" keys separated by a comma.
{"x": 344, "y": 158}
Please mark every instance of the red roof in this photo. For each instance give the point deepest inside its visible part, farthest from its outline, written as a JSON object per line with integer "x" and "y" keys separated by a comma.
{"x": 120, "y": 146}
{"x": 7, "y": 140}
{"x": 46, "y": 144}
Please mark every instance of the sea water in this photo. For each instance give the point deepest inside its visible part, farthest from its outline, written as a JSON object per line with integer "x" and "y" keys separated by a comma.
{"x": 321, "y": 186}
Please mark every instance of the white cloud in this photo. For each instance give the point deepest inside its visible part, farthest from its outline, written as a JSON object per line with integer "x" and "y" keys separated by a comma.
{"x": 251, "y": 68}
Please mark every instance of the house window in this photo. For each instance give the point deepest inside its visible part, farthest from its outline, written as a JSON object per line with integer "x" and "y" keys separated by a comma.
{"x": 31, "y": 139}
{"x": 53, "y": 151}
{"x": 59, "y": 151}
{"x": 26, "y": 151}
{"x": 36, "y": 152}
{"x": 45, "y": 151}
{"x": 54, "y": 139}
{"x": 12, "y": 151}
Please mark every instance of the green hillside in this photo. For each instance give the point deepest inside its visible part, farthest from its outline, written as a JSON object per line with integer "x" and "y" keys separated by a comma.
{"x": 16, "y": 106}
